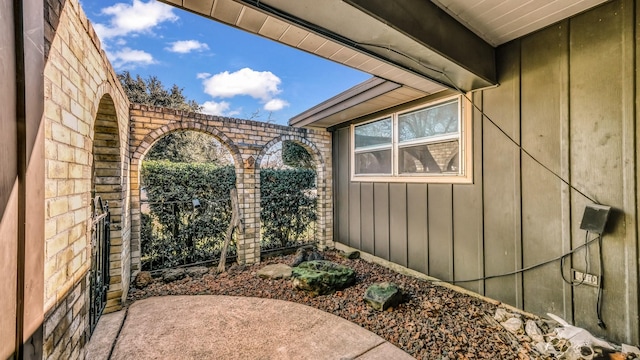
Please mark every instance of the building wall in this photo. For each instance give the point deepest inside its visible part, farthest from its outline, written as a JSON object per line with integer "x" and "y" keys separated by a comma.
{"x": 567, "y": 97}
{"x": 8, "y": 185}
{"x": 21, "y": 185}
{"x": 85, "y": 141}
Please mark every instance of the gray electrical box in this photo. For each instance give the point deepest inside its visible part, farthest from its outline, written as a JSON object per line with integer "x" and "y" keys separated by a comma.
{"x": 595, "y": 218}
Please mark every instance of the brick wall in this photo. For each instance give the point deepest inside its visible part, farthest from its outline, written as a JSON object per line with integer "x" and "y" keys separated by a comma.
{"x": 86, "y": 148}
{"x": 247, "y": 141}
{"x": 66, "y": 323}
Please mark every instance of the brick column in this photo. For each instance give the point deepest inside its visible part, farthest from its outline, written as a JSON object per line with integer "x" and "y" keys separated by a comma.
{"x": 248, "y": 184}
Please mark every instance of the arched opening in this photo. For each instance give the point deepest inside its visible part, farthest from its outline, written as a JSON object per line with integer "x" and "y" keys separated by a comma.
{"x": 185, "y": 178}
{"x": 289, "y": 200}
{"x": 106, "y": 207}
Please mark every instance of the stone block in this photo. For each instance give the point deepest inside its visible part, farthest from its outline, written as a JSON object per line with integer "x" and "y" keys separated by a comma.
{"x": 275, "y": 271}
{"x": 382, "y": 296}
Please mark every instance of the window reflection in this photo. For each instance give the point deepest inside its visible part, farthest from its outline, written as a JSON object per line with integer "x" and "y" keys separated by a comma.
{"x": 429, "y": 158}
{"x": 373, "y": 162}
{"x": 438, "y": 120}
{"x": 375, "y": 133}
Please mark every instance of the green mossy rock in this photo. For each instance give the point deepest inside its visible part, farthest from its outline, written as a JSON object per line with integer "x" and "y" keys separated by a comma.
{"x": 320, "y": 277}
{"x": 382, "y": 296}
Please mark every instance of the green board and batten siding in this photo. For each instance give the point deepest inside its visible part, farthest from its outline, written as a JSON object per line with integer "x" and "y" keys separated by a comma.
{"x": 567, "y": 95}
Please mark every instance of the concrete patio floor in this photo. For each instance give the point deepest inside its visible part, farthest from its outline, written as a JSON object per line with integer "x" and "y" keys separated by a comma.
{"x": 228, "y": 327}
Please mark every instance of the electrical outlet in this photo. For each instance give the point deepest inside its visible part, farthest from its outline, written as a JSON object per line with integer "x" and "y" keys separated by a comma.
{"x": 587, "y": 279}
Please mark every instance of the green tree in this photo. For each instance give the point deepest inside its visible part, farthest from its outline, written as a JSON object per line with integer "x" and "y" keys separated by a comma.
{"x": 182, "y": 146}
{"x": 153, "y": 93}
{"x": 295, "y": 155}
{"x": 189, "y": 146}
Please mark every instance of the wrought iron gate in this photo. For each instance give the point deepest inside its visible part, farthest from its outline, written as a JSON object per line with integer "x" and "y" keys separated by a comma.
{"x": 100, "y": 242}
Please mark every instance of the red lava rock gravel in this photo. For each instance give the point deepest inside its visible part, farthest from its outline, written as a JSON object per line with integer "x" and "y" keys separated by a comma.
{"x": 433, "y": 322}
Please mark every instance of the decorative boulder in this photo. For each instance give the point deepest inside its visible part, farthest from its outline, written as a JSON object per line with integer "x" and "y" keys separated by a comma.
{"x": 173, "y": 275}
{"x": 320, "y": 277}
{"x": 197, "y": 271}
{"x": 275, "y": 271}
{"x": 350, "y": 254}
{"x": 143, "y": 279}
{"x": 307, "y": 253}
{"x": 382, "y": 296}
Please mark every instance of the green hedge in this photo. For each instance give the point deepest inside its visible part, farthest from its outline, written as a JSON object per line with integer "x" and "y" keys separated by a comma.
{"x": 288, "y": 206}
{"x": 175, "y": 233}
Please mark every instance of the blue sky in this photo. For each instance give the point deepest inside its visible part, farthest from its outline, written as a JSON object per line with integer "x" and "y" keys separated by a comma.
{"x": 228, "y": 71}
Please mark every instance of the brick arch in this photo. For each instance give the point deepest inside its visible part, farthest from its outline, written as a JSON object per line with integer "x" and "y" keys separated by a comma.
{"x": 156, "y": 134}
{"x": 107, "y": 179}
{"x": 308, "y": 145}
{"x": 136, "y": 161}
{"x": 323, "y": 184}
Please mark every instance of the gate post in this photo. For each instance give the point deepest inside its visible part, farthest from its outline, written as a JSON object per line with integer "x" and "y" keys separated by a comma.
{"x": 249, "y": 202}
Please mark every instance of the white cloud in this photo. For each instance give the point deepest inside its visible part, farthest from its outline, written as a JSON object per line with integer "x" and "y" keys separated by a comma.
{"x": 215, "y": 108}
{"x": 187, "y": 46}
{"x": 130, "y": 58}
{"x": 203, "y": 75}
{"x": 138, "y": 17}
{"x": 261, "y": 85}
{"x": 275, "y": 105}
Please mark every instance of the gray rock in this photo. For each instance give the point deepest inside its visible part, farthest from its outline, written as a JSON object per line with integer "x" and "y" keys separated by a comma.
{"x": 533, "y": 331}
{"x": 350, "y": 254}
{"x": 321, "y": 277}
{"x": 307, "y": 253}
{"x": 275, "y": 271}
{"x": 514, "y": 325}
{"x": 382, "y": 296}
{"x": 170, "y": 275}
{"x": 503, "y": 315}
{"x": 299, "y": 259}
{"x": 314, "y": 255}
{"x": 197, "y": 271}
{"x": 143, "y": 279}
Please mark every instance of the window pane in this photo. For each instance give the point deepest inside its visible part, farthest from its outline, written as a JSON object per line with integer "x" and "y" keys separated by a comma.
{"x": 375, "y": 133}
{"x": 373, "y": 162}
{"x": 437, "y": 120}
{"x": 430, "y": 158}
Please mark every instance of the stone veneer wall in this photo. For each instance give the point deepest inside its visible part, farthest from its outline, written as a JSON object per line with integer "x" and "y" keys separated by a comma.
{"x": 248, "y": 141}
{"x": 66, "y": 324}
{"x": 86, "y": 147}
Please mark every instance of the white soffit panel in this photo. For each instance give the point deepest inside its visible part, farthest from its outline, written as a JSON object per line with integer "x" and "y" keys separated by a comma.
{"x": 251, "y": 20}
{"x": 227, "y": 11}
{"x": 500, "y": 21}
{"x": 199, "y": 6}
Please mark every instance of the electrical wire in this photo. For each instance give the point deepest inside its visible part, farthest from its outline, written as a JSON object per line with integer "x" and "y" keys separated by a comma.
{"x": 586, "y": 260}
{"x": 561, "y": 257}
{"x": 601, "y": 323}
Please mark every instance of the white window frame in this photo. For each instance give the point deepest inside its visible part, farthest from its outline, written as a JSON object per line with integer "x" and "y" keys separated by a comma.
{"x": 464, "y": 136}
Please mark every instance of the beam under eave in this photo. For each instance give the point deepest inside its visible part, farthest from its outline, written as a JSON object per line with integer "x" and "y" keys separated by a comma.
{"x": 427, "y": 24}
{"x": 413, "y": 35}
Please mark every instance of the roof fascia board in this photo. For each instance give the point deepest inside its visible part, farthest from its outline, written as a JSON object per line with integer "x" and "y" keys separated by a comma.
{"x": 358, "y": 94}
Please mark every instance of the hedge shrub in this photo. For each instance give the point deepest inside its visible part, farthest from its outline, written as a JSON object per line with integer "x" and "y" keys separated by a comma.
{"x": 288, "y": 205}
{"x": 175, "y": 233}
